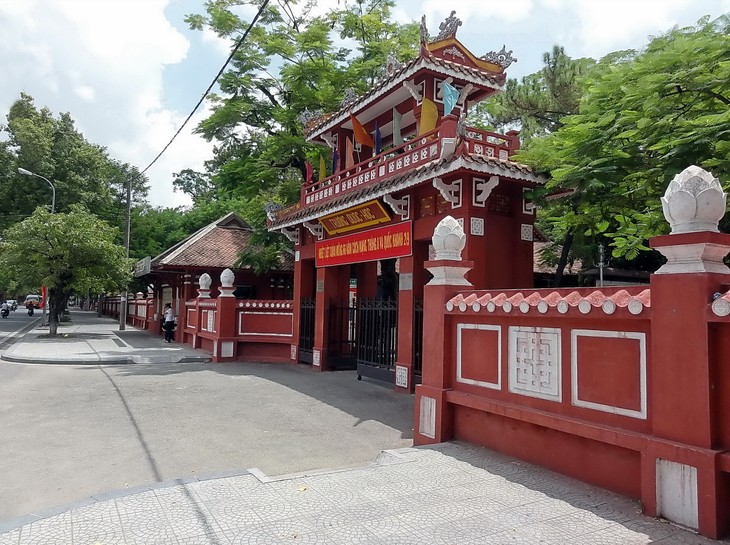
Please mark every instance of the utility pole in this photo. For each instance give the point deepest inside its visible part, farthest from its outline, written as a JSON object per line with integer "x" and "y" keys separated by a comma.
{"x": 127, "y": 228}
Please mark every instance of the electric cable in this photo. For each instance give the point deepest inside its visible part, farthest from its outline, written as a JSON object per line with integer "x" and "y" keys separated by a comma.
{"x": 239, "y": 43}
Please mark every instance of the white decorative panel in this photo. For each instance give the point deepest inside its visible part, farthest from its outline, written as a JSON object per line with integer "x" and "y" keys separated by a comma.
{"x": 476, "y": 226}
{"x": 527, "y": 206}
{"x": 526, "y": 232}
{"x": 401, "y": 376}
{"x": 211, "y": 320}
{"x": 676, "y": 492}
{"x": 315, "y": 358}
{"x": 227, "y": 349}
{"x": 574, "y": 370}
{"x": 294, "y": 352}
{"x": 460, "y": 221}
{"x": 534, "y": 362}
{"x": 297, "y": 255}
{"x": 427, "y": 417}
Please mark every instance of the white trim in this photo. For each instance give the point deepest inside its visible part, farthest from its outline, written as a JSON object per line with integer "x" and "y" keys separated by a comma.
{"x": 483, "y": 327}
{"x": 427, "y": 417}
{"x": 577, "y": 402}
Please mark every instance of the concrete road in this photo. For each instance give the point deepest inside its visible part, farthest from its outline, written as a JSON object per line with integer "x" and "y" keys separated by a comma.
{"x": 70, "y": 432}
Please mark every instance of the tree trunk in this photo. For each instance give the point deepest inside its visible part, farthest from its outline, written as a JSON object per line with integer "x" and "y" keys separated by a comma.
{"x": 55, "y": 303}
{"x": 567, "y": 244}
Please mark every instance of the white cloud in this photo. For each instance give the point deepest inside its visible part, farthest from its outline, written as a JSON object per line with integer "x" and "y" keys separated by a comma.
{"x": 103, "y": 62}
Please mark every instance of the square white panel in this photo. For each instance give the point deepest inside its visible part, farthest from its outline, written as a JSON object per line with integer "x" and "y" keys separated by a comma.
{"x": 676, "y": 492}
{"x": 427, "y": 417}
{"x": 534, "y": 362}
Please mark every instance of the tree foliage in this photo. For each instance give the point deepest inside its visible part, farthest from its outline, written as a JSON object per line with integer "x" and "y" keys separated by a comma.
{"x": 644, "y": 116}
{"x": 73, "y": 252}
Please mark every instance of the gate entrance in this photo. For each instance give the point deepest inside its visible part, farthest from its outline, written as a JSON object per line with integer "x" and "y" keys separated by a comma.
{"x": 377, "y": 343}
{"x": 306, "y": 331}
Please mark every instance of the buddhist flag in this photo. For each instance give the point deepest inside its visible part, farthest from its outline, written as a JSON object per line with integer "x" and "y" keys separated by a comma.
{"x": 361, "y": 135}
{"x": 429, "y": 116}
{"x": 451, "y": 97}
{"x": 349, "y": 154}
{"x": 322, "y": 168}
{"x": 378, "y": 139}
{"x": 397, "y": 137}
{"x": 308, "y": 169}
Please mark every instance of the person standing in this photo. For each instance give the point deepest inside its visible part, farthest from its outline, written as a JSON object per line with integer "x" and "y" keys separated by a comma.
{"x": 169, "y": 323}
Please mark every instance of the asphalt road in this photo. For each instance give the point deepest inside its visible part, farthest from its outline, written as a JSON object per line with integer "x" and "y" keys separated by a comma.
{"x": 70, "y": 432}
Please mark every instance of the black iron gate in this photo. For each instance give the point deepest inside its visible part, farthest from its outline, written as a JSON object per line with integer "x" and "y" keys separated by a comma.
{"x": 417, "y": 340}
{"x": 306, "y": 330}
{"x": 342, "y": 346}
{"x": 377, "y": 338}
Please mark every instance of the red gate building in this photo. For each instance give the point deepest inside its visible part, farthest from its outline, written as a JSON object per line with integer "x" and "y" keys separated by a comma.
{"x": 402, "y": 160}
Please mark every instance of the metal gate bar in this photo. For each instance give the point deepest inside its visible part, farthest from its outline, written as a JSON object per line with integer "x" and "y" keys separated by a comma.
{"x": 306, "y": 330}
{"x": 377, "y": 338}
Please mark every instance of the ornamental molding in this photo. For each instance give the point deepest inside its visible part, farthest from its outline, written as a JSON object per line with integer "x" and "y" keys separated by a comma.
{"x": 450, "y": 192}
{"x": 271, "y": 208}
{"x": 329, "y": 140}
{"x": 315, "y": 228}
{"x": 448, "y": 239}
{"x": 454, "y": 166}
{"x": 502, "y": 57}
{"x": 482, "y": 189}
{"x": 415, "y": 90}
{"x": 452, "y": 51}
{"x": 205, "y": 281}
{"x": 464, "y": 93}
{"x": 449, "y": 27}
{"x": 291, "y": 234}
{"x": 307, "y": 116}
{"x": 424, "y": 31}
{"x": 534, "y": 362}
{"x": 349, "y": 97}
{"x": 392, "y": 65}
{"x": 401, "y": 206}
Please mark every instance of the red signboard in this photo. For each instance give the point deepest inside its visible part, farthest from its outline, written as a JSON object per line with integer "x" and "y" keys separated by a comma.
{"x": 381, "y": 243}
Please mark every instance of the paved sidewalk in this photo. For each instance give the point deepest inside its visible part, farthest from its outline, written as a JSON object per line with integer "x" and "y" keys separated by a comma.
{"x": 90, "y": 339}
{"x": 450, "y": 494}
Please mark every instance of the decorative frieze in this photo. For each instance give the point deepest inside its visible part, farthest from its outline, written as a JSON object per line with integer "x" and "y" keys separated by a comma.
{"x": 450, "y": 192}
{"x": 482, "y": 189}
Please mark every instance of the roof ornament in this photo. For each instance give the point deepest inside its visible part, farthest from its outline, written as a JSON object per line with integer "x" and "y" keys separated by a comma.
{"x": 271, "y": 208}
{"x": 424, "y": 31}
{"x": 502, "y": 57}
{"x": 449, "y": 27}
{"x": 306, "y": 117}
{"x": 349, "y": 97}
{"x": 392, "y": 65}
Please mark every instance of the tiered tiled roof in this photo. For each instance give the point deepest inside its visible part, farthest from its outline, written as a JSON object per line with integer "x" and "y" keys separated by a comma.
{"x": 439, "y": 65}
{"x": 622, "y": 301}
{"x": 469, "y": 161}
{"x": 215, "y": 246}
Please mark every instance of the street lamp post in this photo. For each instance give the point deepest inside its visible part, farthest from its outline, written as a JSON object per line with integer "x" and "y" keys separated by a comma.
{"x": 53, "y": 189}
{"x": 127, "y": 229}
{"x": 25, "y": 172}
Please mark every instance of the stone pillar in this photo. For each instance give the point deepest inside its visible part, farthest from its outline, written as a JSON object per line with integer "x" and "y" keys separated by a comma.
{"x": 182, "y": 317}
{"x": 433, "y": 415}
{"x": 680, "y": 473}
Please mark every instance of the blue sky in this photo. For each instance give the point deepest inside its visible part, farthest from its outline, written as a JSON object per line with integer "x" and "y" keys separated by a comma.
{"x": 129, "y": 71}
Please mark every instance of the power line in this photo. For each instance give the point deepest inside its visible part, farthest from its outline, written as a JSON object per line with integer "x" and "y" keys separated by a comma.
{"x": 205, "y": 94}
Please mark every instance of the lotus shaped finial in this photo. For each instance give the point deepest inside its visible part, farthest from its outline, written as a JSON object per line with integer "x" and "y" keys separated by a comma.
{"x": 448, "y": 239}
{"x": 227, "y": 278}
{"x": 694, "y": 201}
{"x": 204, "y": 281}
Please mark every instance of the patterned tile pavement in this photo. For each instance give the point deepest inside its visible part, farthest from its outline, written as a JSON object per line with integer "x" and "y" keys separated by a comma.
{"x": 450, "y": 494}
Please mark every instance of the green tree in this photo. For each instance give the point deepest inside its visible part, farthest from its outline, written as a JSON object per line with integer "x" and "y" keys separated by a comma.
{"x": 82, "y": 172}
{"x": 644, "y": 116}
{"x": 72, "y": 252}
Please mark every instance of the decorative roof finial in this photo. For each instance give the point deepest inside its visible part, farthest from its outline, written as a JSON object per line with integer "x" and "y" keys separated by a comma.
{"x": 424, "y": 31}
{"x": 449, "y": 27}
{"x": 271, "y": 208}
{"x": 502, "y": 57}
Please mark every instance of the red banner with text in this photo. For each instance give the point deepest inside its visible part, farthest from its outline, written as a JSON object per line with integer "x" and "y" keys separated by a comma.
{"x": 381, "y": 243}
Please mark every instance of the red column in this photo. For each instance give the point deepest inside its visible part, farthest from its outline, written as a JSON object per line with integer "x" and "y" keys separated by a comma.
{"x": 433, "y": 415}
{"x": 404, "y": 359}
{"x": 682, "y": 379}
{"x": 325, "y": 291}
{"x": 303, "y": 282}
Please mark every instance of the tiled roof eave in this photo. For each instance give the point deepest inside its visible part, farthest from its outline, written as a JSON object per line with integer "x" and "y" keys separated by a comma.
{"x": 470, "y": 76}
{"x": 434, "y": 169}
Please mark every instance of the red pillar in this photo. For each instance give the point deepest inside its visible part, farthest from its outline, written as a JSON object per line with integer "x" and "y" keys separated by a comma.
{"x": 433, "y": 415}
{"x": 325, "y": 291}
{"x": 303, "y": 283}
{"x": 225, "y": 347}
{"x": 404, "y": 359}
{"x": 682, "y": 380}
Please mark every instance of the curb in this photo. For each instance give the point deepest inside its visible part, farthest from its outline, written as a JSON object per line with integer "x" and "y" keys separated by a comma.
{"x": 124, "y": 360}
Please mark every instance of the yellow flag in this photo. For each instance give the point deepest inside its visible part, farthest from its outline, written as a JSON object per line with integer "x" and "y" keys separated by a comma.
{"x": 429, "y": 116}
{"x": 322, "y": 168}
